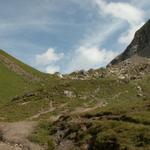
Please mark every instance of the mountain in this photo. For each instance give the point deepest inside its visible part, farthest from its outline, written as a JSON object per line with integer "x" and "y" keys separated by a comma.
{"x": 103, "y": 109}
{"x": 15, "y": 77}
{"x": 140, "y": 45}
{"x": 16, "y": 66}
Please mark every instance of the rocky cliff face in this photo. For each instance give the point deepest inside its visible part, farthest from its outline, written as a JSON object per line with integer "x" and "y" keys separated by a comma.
{"x": 140, "y": 45}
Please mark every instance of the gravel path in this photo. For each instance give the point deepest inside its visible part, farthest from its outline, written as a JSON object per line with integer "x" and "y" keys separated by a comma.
{"x": 15, "y": 136}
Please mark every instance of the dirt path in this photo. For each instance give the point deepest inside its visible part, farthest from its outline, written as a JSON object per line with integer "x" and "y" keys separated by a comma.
{"x": 79, "y": 110}
{"x": 8, "y": 146}
{"x": 14, "y": 136}
{"x": 50, "y": 109}
{"x": 41, "y": 113}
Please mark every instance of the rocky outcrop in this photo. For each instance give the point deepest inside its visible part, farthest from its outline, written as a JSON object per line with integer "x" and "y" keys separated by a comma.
{"x": 133, "y": 68}
{"x": 139, "y": 46}
{"x": 132, "y": 64}
{"x": 86, "y": 75}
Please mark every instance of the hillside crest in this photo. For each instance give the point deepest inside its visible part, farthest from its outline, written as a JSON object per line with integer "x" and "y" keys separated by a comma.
{"x": 140, "y": 45}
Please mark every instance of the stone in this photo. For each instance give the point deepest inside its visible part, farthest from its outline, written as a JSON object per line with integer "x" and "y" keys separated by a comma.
{"x": 69, "y": 94}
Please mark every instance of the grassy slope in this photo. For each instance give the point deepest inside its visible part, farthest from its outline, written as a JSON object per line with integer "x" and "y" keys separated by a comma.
{"x": 21, "y": 64}
{"x": 122, "y": 124}
{"x": 12, "y": 84}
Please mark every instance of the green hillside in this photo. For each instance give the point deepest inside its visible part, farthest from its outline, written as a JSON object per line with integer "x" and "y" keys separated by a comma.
{"x": 20, "y": 64}
{"x": 106, "y": 114}
{"x": 85, "y": 110}
{"x": 22, "y": 82}
{"x": 12, "y": 82}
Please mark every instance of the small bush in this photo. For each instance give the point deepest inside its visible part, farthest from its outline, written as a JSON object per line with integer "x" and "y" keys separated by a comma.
{"x": 107, "y": 141}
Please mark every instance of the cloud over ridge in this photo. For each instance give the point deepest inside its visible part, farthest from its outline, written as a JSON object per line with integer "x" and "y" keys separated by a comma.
{"x": 48, "y": 60}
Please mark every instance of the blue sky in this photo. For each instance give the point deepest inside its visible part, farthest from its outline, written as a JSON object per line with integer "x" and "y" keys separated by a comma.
{"x": 69, "y": 35}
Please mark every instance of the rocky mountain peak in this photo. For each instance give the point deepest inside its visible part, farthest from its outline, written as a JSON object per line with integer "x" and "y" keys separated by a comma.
{"x": 139, "y": 46}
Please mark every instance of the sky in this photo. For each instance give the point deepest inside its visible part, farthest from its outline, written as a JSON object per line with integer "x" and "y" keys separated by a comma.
{"x": 69, "y": 35}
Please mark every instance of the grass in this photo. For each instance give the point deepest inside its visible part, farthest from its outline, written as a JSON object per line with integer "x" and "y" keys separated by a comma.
{"x": 11, "y": 84}
{"x": 21, "y": 64}
{"x": 42, "y": 137}
{"x": 122, "y": 124}
{"x": 14, "y": 85}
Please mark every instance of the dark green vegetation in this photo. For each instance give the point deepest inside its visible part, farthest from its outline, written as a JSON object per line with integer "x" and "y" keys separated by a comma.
{"x": 94, "y": 113}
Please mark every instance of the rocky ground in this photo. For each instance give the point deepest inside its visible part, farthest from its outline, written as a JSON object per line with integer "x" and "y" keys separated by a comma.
{"x": 14, "y": 136}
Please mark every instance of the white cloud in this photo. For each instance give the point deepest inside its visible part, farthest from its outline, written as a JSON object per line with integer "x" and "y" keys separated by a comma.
{"x": 128, "y": 36}
{"x": 90, "y": 57}
{"x": 121, "y": 10}
{"x": 48, "y": 60}
{"x": 124, "y": 11}
{"x": 52, "y": 69}
{"x": 48, "y": 57}
{"x": 100, "y": 34}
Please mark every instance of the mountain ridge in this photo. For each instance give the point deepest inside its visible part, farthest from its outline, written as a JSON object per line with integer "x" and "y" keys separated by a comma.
{"x": 139, "y": 46}
{"x": 17, "y": 66}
